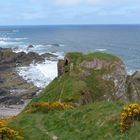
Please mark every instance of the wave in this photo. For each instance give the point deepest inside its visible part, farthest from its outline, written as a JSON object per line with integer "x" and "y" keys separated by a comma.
{"x": 39, "y": 74}
{"x": 55, "y": 45}
{"x": 12, "y": 39}
{"x": 60, "y": 55}
{"x": 15, "y": 31}
{"x": 40, "y": 49}
{"x": 9, "y": 43}
{"x": 20, "y": 49}
{"x": 101, "y": 50}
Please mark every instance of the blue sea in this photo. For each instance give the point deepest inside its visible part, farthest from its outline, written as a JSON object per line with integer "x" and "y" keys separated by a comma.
{"x": 120, "y": 40}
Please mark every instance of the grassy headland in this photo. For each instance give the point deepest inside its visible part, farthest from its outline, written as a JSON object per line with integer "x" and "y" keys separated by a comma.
{"x": 96, "y": 112}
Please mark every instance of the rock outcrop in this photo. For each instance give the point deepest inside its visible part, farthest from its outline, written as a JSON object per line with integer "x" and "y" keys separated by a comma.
{"x": 133, "y": 86}
{"x": 8, "y": 58}
{"x": 104, "y": 75}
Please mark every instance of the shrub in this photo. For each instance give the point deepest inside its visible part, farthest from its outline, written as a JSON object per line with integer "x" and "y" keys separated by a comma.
{"x": 7, "y": 133}
{"x": 129, "y": 115}
{"x": 48, "y": 106}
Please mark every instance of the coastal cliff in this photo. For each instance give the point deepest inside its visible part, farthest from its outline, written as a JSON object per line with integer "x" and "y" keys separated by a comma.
{"x": 83, "y": 102}
{"x": 103, "y": 75}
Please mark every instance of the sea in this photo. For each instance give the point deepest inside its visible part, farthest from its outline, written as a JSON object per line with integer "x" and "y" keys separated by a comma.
{"x": 120, "y": 40}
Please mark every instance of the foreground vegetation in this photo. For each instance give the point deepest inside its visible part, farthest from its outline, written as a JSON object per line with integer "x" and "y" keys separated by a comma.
{"x": 72, "y": 107}
{"x": 99, "y": 121}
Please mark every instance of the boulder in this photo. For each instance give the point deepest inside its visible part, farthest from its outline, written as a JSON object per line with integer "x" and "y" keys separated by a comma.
{"x": 11, "y": 100}
{"x": 30, "y": 46}
{"x": 10, "y": 58}
{"x": 48, "y": 55}
{"x": 4, "y": 92}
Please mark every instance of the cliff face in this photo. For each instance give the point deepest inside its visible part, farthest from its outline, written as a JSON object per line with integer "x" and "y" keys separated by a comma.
{"x": 133, "y": 85}
{"x": 114, "y": 72}
{"x": 104, "y": 76}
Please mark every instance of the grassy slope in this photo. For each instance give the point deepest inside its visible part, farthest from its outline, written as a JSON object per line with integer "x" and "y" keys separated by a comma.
{"x": 97, "y": 121}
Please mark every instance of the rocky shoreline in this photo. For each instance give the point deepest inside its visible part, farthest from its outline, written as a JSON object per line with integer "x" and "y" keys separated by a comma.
{"x": 15, "y": 92}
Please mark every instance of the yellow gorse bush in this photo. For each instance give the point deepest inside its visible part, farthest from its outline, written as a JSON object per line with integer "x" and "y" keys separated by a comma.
{"x": 129, "y": 114}
{"x": 7, "y": 133}
{"x": 48, "y": 106}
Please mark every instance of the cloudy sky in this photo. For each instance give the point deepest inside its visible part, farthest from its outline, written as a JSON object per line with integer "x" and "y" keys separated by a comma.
{"x": 46, "y": 12}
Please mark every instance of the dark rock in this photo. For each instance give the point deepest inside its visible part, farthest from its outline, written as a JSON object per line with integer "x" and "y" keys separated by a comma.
{"x": 61, "y": 67}
{"x": 11, "y": 100}
{"x": 55, "y": 45}
{"x": 48, "y": 55}
{"x": 28, "y": 96}
{"x": 4, "y": 92}
{"x": 20, "y": 55}
{"x": 32, "y": 54}
{"x": 1, "y": 81}
{"x": 30, "y": 46}
{"x": 8, "y": 58}
{"x": 5, "y": 49}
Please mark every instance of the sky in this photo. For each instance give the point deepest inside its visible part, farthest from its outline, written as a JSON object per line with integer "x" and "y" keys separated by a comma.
{"x": 59, "y": 12}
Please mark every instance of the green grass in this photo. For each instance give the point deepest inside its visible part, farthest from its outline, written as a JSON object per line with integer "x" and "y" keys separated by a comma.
{"x": 98, "y": 121}
{"x": 74, "y": 57}
{"x": 102, "y": 56}
{"x": 68, "y": 88}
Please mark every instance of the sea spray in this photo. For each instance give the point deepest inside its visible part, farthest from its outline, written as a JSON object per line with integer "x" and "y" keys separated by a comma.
{"x": 40, "y": 74}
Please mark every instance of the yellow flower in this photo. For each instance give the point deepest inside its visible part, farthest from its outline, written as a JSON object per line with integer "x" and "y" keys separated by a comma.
{"x": 136, "y": 111}
{"x": 132, "y": 111}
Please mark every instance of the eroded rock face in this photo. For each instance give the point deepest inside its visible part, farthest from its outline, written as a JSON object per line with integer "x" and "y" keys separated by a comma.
{"x": 97, "y": 64}
{"x": 118, "y": 76}
{"x": 133, "y": 85}
{"x": 113, "y": 71}
{"x": 63, "y": 66}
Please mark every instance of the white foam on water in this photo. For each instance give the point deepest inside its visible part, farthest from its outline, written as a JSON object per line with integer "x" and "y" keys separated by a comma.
{"x": 15, "y": 31}
{"x": 40, "y": 49}
{"x": 39, "y": 74}
{"x": 130, "y": 72}
{"x": 11, "y": 43}
{"x": 12, "y": 39}
{"x": 60, "y": 55}
{"x": 101, "y": 50}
